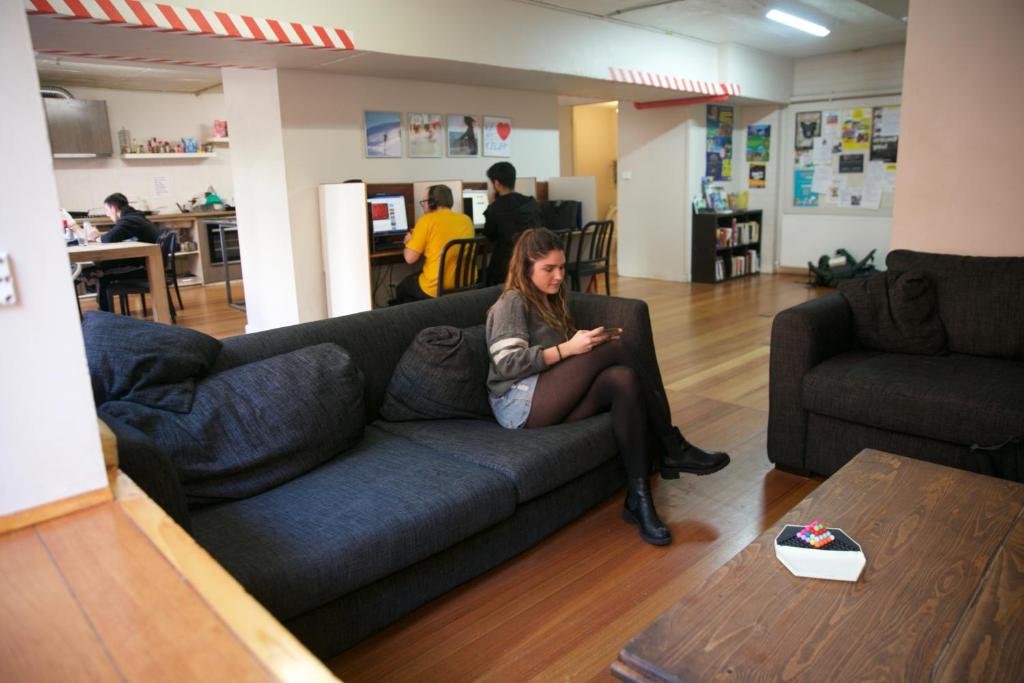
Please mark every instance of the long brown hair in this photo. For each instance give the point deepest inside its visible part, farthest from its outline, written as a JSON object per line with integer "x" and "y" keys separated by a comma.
{"x": 534, "y": 244}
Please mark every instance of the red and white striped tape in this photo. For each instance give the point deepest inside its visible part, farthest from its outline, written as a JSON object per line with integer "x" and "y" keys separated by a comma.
{"x": 157, "y": 16}
{"x": 657, "y": 80}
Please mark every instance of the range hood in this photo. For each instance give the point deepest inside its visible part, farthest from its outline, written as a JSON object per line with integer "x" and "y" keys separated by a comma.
{"x": 79, "y": 129}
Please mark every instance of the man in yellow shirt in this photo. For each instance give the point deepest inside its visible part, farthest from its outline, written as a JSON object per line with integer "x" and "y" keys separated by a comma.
{"x": 438, "y": 226}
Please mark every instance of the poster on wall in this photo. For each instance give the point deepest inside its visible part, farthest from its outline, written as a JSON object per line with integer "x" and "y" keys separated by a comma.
{"x": 463, "y": 140}
{"x": 856, "y": 129}
{"x": 497, "y": 136}
{"x": 759, "y": 142}
{"x": 758, "y": 175}
{"x": 383, "y": 134}
{"x": 719, "y": 142}
{"x": 426, "y": 135}
{"x": 808, "y": 127}
{"x": 885, "y": 133}
{"x": 851, "y": 163}
{"x": 803, "y": 195}
{"x": 830, "y": 128}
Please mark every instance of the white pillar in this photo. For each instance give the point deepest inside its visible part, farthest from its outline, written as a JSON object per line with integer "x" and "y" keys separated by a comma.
{"x": 49, "y": 440}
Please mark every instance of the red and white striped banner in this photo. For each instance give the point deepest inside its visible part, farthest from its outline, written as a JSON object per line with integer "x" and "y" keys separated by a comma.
{"x": 155, "y": 16}
{"x": 657, "y": 80}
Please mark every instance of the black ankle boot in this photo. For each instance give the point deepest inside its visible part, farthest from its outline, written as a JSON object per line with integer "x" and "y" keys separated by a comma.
{"x": 682, "y": 456}
{"x": 639, "y": 509}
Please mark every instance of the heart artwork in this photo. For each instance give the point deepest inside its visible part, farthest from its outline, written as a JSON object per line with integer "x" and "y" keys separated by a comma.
{"x": 503, "y": 130}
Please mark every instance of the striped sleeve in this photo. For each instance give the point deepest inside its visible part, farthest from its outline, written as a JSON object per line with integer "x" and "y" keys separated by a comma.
{"x": 508, "y": 340}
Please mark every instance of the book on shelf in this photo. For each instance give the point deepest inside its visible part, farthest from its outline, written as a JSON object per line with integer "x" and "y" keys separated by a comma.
{"x": 719, "y": 269}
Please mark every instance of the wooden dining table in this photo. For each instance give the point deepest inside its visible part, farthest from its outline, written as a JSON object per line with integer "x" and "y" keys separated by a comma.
{"x": 107, "y": 251}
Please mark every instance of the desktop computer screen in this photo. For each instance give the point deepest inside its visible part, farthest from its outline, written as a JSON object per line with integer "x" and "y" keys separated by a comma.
{"x": 387, "y": 214}
{"x": 474, "y": 204}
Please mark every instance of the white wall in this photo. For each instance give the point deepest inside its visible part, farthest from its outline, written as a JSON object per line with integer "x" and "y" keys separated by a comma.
{"x": 762, "y": 75}
{"x": 654, "y": 206}
{"x": 322, "y": 115}
{"x": 261, "y": 192}
{"x": 83, "y": 183}
{"x": 873, "y": 70}
{"x": 49, "y": 441}
{"x": 841, "y": 81}
{"x": 959, "y": 174}
{"x": 808, "y": 232}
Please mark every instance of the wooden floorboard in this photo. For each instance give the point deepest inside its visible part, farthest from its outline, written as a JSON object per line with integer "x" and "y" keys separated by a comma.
{"x": 562, "y": 610}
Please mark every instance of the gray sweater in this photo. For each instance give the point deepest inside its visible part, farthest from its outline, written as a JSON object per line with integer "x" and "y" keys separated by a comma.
{"x": 516, "y": 339}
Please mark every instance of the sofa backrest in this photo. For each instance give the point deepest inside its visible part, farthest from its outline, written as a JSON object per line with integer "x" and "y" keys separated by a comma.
{"x": 375, "y": 339}
{"x": 980, "y": 299}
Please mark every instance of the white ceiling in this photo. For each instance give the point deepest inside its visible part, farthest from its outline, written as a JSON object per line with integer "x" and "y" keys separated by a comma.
{"x": 101, "y": 73}
{"x": 854, "y": 24}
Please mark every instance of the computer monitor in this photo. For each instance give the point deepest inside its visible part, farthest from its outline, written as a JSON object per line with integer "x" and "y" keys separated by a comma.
{"x": 474, "y": 204}
{"x": 387, "y": 214}
{"x": 527, "y": 186}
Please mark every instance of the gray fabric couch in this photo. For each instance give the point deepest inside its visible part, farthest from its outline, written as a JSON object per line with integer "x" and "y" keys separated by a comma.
{"x": 830, "y": 397}
{"x": 412, "y": 510}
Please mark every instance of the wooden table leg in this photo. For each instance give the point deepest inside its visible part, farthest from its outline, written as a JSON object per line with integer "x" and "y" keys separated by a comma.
{"x": 157, "y": 284}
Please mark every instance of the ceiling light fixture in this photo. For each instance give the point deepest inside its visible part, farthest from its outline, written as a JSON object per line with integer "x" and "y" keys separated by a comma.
{"x": 798, "y": 23}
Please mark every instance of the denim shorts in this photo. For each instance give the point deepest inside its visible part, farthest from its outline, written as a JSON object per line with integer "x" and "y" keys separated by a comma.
{"x": 513, "y": 407}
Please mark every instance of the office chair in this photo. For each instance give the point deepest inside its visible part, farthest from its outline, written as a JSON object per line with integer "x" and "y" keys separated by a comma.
{"x": 470, "y": 264}
{"x": 593, "y": 255}
{"x": 122, "y": 289}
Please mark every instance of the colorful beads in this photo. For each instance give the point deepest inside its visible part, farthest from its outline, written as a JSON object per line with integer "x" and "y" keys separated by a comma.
{"x": 816, "y": 534}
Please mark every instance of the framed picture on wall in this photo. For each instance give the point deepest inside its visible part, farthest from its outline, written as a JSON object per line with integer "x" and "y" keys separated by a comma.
{"x": 383, "y": 131}
{"x": 808, "y": 127}
{"x": 426, "y": 135}
{"x": 497, "y": 136}
{"x": 463, "y": 135}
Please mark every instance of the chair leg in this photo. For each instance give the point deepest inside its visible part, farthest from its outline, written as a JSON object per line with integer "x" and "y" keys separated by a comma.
{"x": 125, "y": 307}
{"x": 142, "y": 296}
{"x": 170, "y": 305}
{"x": 178, "y": 292}
{"x": 608, "y": 282}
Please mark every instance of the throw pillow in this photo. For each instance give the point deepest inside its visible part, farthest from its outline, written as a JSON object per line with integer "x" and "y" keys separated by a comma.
{"x": 144, "y": 362}
{"x": 259, "y": 425}
{"x": 895, "y": 312}
{"x": 443, "y": 374}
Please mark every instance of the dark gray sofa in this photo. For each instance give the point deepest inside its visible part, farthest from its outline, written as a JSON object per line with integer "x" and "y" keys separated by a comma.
{"x": 415, "y": 508}
{"x": 830, "y": 397}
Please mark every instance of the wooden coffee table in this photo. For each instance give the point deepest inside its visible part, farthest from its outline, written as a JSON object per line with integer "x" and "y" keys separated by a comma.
{"x": 941, "y": 597}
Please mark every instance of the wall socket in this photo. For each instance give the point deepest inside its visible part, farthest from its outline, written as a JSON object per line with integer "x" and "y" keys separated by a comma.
{"x": 7, "y": 294}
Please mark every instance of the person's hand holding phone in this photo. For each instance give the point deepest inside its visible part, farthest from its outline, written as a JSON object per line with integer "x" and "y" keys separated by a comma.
{"x": 585, "y": 341}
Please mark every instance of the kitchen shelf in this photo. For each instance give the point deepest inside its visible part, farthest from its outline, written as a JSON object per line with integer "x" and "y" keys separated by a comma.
{"x": 170, "y": 155}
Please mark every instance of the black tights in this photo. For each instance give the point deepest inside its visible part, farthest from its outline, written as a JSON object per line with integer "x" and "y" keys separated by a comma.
{"x": 604, "y": 379}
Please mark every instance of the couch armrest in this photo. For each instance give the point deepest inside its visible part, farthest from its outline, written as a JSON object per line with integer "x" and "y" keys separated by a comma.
{"x": 150, "y": 469}
{"x": 632, "y": 315}
{"x": 802, "y": 337}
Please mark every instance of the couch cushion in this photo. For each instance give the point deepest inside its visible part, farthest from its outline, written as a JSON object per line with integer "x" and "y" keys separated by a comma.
{"x": 894, "y": 311}
{"x": 534, "y": 460}
{"x": 145, "y": 362}
{"x": 957, "y": 398}
{"x": 442, "y": 374}
{"x": 382, "y": 506}
{"x": 979, "y": 299}
{"x": 258, "y": 425}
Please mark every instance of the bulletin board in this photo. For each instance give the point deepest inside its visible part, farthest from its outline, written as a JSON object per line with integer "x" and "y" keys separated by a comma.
{"x": 841, "y": 157}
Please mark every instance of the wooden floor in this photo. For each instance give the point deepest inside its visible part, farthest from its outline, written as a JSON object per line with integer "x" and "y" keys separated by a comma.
{"x": 206, "y": 309}
{"x": 563, "y": 609}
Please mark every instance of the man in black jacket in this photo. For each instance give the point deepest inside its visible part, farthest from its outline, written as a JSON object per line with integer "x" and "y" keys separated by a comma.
{"x": 508, "y": 215}
{"x": 129, "y": 224}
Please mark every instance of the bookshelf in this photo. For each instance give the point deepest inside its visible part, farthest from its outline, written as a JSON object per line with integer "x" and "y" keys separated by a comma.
{"x": 726, "y": 245}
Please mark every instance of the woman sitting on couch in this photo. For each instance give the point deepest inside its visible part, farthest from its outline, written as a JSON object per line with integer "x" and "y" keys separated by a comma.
{"x": 544, "y": 371}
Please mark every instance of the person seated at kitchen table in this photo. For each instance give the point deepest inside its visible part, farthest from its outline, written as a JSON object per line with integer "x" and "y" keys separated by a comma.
{"x": 130, "y": 224}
